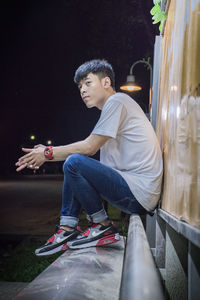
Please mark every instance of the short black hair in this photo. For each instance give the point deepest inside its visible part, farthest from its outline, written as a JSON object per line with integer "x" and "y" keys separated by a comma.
{"x": 100, "y": 67}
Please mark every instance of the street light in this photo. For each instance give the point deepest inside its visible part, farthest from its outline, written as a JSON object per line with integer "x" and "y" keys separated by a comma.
{"x": 130, "y": 84}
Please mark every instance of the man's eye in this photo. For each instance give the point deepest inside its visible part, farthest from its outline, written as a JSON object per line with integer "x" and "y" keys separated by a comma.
{"x": 88, "y": 82}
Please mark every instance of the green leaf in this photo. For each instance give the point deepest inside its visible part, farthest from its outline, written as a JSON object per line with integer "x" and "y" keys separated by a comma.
{"x": 155, "y": 9}
{"x": 154, "y": 17}
{"x": 156, "y": 2}
{"x": 160, "y": 27}
{"x": 157, "y": 18}
{"x": 161, "y": 16}
{"x": 152, "y": 11}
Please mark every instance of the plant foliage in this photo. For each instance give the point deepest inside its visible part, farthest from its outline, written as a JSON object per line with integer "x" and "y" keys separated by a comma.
{"x": 157, "y": 14}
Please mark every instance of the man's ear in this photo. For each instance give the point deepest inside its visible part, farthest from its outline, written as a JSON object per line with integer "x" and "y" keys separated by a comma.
{"x": 106, "y": 82}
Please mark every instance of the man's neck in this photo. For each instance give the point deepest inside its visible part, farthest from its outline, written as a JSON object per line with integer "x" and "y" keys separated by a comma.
{"x": 109, "y": 93}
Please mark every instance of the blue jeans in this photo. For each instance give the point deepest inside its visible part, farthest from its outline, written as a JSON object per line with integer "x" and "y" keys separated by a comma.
{"x": 88, "y": 181}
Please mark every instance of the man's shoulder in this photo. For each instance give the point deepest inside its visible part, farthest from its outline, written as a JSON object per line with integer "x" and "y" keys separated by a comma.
{"x": 124, "y": 99}
{"x": 128, "y": 103}
{"x": 119, "y": 98}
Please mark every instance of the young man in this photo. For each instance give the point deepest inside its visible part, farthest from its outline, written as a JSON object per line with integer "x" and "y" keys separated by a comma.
{"x": 128, "y": 175}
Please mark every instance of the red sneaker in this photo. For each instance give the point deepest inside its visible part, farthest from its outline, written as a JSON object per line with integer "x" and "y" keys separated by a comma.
{"x": 95, "y": 235}
{"x": 58, "y": 241}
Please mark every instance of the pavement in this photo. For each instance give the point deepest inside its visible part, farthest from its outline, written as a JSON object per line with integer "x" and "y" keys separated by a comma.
{"x": 8, "y": 290}
{"x": 30, "y": 205}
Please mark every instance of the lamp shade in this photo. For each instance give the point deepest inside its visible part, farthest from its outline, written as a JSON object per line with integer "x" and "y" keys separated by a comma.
{"x": 130, "y": 85}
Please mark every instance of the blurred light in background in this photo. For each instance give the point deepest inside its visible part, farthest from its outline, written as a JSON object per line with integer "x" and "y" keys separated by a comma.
{"x": 174, "y": 88}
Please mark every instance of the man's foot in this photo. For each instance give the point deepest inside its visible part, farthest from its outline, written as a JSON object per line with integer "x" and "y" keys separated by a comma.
{"x": 95, "y": 235}
{"x": 57, "y": 242}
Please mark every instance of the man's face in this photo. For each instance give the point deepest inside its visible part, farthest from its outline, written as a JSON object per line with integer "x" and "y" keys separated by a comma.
{"x": 93, "y": 90}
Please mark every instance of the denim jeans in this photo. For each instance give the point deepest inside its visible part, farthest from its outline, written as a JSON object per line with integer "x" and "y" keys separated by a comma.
{"x": 88, "y": 181}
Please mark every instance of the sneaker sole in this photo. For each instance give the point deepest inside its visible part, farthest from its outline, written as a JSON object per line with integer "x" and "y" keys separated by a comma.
{"x": 62, "y": 247}
{"x": 101, "y": 242}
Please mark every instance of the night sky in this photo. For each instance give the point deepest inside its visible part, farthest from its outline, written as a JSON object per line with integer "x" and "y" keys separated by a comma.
{"x": 42, "y": 44}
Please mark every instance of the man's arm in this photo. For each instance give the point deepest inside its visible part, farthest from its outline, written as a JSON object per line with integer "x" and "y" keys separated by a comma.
{"x": 35, "y": 157}
{"x": 88, "y": 147}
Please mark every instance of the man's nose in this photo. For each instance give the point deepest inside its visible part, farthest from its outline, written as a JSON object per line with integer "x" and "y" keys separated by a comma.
{"x": 83, "y": 89}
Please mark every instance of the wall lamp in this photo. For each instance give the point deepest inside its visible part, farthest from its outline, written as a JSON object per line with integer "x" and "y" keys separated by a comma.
{"x": 131, "y": 86}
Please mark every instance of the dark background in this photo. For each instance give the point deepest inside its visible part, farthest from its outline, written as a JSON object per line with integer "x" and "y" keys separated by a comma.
{"x": 42, "y": 44}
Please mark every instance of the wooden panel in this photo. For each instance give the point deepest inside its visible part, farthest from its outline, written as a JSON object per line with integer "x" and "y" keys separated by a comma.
{"x": 178, "y": 126}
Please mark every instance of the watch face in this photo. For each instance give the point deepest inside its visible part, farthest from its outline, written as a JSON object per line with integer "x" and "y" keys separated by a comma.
{"x": 48, "y": 152}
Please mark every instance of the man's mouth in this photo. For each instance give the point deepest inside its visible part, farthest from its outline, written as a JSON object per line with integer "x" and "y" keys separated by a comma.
{"x": 85, "y": 97}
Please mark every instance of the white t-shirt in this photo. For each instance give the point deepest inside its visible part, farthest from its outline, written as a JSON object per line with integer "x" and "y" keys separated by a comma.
{"x": 133, "y": 149}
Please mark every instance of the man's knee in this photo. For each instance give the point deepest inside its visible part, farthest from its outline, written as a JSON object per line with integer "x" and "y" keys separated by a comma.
{"x": 72, "y": 161}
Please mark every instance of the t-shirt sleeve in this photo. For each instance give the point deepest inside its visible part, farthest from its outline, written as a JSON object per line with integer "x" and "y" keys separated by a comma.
{"x": 109, "y": 120}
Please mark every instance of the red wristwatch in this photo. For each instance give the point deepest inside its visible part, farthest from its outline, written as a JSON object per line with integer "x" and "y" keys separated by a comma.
{"x": 48, "y": 152}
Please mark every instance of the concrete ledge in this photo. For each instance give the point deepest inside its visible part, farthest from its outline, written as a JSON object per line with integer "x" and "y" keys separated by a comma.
{"x": 90, "y": 273}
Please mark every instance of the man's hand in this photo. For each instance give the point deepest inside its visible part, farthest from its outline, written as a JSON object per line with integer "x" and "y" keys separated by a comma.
{"x": 33, "y": 159}
{"x": 40, "y": 145}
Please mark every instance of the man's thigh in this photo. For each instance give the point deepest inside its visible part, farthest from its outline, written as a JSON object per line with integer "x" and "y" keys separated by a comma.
{"x": 107, "y": 182}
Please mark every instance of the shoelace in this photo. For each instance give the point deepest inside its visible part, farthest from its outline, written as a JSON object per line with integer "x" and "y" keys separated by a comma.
{"x": 86, "y": 232}
{"x": 52, "y": 238}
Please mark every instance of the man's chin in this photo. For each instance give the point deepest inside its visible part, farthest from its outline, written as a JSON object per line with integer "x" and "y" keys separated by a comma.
{"x": 90, "y": 105}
